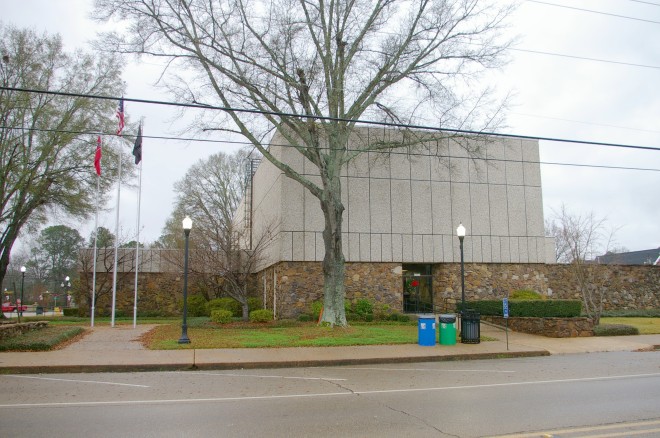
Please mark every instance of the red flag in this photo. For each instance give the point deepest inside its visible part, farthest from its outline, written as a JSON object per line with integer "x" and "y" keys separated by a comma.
{"x": 97, "y": 157}
{"x": 120, "y": 116}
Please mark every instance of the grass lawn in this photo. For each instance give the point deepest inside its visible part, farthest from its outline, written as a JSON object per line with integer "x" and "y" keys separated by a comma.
{"x": 241, "y": 335}
{"x": 40, "y": 340}
{"x": 646, "y": 326}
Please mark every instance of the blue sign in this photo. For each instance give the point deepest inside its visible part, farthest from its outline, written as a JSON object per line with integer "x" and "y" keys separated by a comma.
{"x": 505, "y": 307}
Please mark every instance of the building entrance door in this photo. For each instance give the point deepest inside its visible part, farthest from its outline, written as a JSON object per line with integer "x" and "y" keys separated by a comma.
{"x": 417, "y": 289}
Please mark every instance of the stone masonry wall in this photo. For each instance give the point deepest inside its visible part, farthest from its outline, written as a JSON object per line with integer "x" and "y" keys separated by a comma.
{"x": 625, "y": 287}
{"x": 297, "y": 284}
{"x": 551, "y": 327}
{"x": 290, "y": 287}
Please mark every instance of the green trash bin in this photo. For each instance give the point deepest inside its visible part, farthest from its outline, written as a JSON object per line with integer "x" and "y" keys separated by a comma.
{"x": 447, "y": 329}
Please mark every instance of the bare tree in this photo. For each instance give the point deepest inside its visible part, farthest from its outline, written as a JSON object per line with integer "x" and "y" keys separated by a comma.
{"x": 578, "y": 239}
{"x": 311, "y": 70}
{"x": 226, "y": 265}
{"x": 210, "y": 193}
{"x": 104, "y": 274}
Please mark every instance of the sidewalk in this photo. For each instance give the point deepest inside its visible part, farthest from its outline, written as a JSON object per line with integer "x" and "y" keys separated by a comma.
{"x": 118, "y": 349}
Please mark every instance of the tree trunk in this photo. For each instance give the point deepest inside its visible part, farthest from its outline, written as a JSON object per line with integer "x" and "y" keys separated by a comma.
{"x": 244, "y": 307}
{"x": 334, "y": 293}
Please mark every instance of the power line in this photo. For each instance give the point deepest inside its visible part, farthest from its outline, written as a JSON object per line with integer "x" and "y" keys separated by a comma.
{"x": 584, "y": 58}
{"x": 336, "y": 119}
{"x": 595, "y": 12}
{"x": 587, "y": 123}
{"x": 389, "y": 152}
{"x": 646, "y": 3}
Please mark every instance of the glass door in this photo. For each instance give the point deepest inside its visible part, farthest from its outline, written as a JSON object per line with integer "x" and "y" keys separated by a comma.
{"x": 417, "y": 289}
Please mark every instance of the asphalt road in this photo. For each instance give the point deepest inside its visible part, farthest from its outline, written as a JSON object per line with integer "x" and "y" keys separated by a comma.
{"x": 603, "y": 394}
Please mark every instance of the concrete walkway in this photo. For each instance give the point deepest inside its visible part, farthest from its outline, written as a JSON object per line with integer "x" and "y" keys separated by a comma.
{"x": 118, "y": 349}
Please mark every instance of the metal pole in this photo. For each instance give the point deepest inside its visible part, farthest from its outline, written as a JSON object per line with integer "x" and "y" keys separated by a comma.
{"x": 114, "y": 269}
{"x": 137, "y": 248}
{"x": 96, "y": 238}
{"x": 22, "y": 284}
{"x": 462, "y": 276}
{"x": 184, "y": 327}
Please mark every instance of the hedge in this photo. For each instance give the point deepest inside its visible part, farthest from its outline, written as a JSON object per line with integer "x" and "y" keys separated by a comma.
{"x": 527, "y": 308}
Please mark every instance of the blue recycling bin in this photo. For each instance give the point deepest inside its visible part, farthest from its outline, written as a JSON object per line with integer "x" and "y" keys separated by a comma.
{"x": 426, "y": 330}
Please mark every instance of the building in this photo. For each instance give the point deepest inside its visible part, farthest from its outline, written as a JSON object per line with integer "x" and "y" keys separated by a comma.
{"x": 401, "y": 213}
{"x": 644, "y": 257}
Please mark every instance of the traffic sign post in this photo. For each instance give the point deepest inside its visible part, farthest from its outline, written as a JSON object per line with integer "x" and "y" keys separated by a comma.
{"x": 505, "y": 313}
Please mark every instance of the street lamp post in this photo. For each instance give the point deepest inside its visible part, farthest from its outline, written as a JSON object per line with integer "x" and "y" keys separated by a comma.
{"x": 187, "y": 225}
{"x": 460, "y": 232}
{"x": 66, "y": 287}
{"x": 22, "y": 286}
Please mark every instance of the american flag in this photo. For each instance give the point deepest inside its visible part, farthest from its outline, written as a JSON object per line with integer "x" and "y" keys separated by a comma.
{"x": 120, "y": 116}
{"x": 97, "y": 156}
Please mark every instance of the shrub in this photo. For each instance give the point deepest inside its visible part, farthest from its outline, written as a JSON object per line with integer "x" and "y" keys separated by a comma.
{"x": 71, "y": 311}
{"x": 402, "y": 318}
{"x": 393, "y": 316}
{"x": 525, "y": 294}
{"x": 615, "y": 330}
{"x": 151, "y": 313}
{"x": 382, "y": 312}
{"x": 254, "y": 303}
{"x": 364, "y": 307}
{"x": 262, "y": 315}
{"x": 533, "y": 308}
{"x": 305, "y": 317}
{"x": 316, "y": 307}
{"x": 227, "y": 303}
{"x": 221, "y": 316}
{"x": 197, "y": 306}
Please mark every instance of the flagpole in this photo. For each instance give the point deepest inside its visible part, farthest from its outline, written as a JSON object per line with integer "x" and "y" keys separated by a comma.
{"x": 114, "y": 271}
{"x": 96, "y": 236}
{"x": 97, "y": 168}
{"x": 137, "y": 243}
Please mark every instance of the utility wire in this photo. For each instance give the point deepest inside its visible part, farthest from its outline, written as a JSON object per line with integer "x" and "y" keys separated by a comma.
{"x": 646, "y": 3}
{"x": 389, "y": 152}
{"x": 584, "y": 58}
{"x": 335, "y": 119}
{"x": 586, "y": 123}
{"x": 594, "y": 12}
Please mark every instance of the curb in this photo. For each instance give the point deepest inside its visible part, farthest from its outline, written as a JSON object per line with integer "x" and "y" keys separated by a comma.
{"x": 123, "y": 368}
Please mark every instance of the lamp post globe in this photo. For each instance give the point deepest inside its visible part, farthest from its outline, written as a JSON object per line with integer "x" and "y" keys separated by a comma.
{"x": 187, "y": 226}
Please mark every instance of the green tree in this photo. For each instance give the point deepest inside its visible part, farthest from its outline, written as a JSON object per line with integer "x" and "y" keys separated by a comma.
{"x": 326, "y": 65}
{"x": 46, "y": 157}
{"x": 105, "y": 238}
{"x": 57, "y": 251}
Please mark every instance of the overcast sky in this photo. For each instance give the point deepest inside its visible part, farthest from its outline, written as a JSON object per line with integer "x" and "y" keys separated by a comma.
{"x": 555, "y": 96}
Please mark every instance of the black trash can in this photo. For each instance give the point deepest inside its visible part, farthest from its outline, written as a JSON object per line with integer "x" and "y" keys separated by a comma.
{"x": 470, "y": 327}
{"x": 40, "y": 310}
